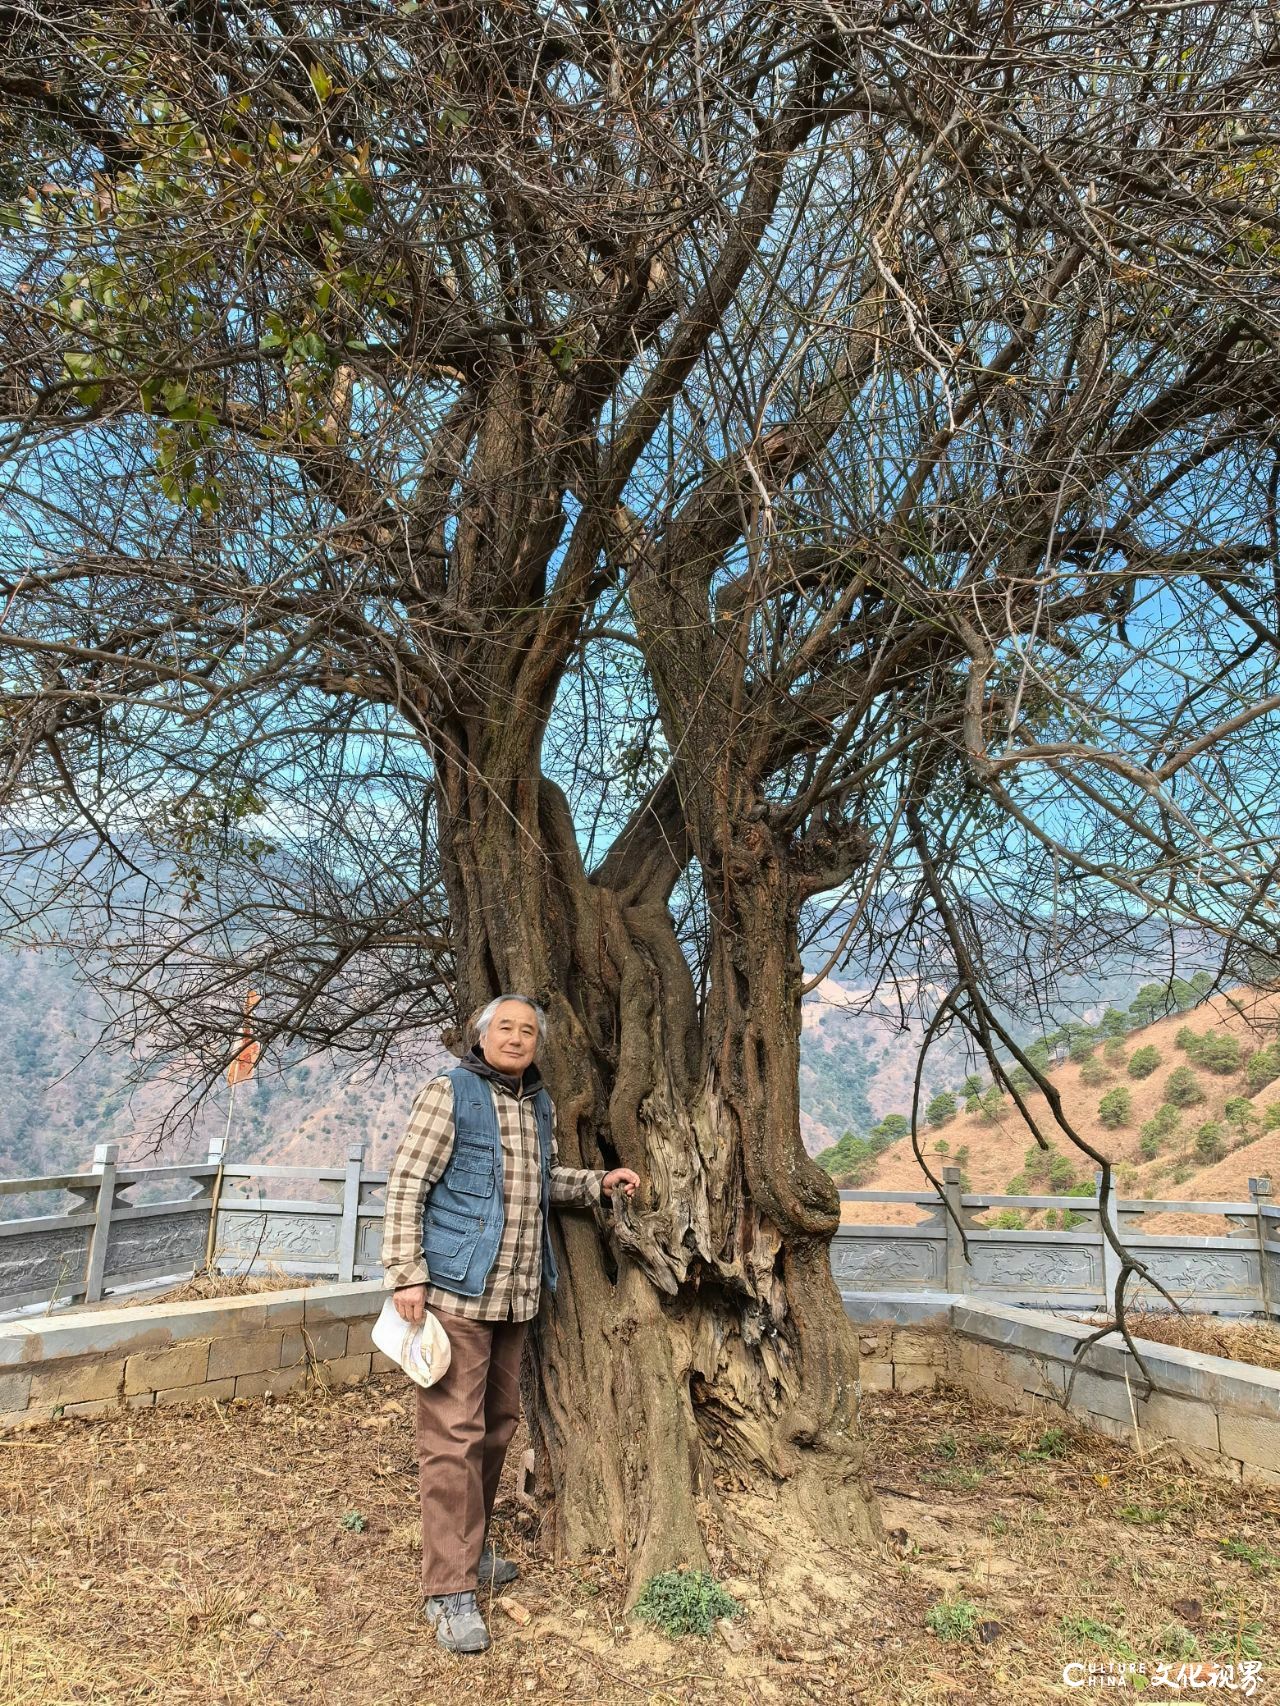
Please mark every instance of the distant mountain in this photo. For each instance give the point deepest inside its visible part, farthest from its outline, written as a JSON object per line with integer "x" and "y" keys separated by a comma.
{"x": 60, "y": 1094}
{"x": 858, "y": 1049}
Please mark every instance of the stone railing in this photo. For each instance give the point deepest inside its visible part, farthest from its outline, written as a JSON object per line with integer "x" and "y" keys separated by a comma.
{"x": 1236, "y": 1273}
{"x": 211, "y": 1210}
{"x": 103, "y": 1241}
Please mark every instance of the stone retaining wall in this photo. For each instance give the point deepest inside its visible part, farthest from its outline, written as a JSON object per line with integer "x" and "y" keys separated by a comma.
{"x": 1218, "y": 1415}
{"x": 1215, "y": 1414}
{"x": 91, "y": 1362}
{"x": 902, "y": 1359}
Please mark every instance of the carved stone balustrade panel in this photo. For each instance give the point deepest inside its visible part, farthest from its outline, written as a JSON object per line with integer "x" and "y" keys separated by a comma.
{"x": 1013, "y": 1266}
{"x": 277, "y": 1236}
{"x": 43, "y": 1262}
{"x": 158, "y": 1240}
{"x": 888, "y": 1264}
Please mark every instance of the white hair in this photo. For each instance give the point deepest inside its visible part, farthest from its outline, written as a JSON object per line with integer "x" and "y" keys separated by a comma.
{"x": 485, "y": 1016}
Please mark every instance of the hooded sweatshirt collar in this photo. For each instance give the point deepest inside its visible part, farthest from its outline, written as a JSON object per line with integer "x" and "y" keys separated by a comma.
{"x": 529, "y": 1082}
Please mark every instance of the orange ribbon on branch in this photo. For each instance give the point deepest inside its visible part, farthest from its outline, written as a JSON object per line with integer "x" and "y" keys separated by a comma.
{"x": 246, "y": 1056}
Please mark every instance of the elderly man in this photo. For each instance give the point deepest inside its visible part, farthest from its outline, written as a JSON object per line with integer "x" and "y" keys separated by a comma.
{"x": 466, "y": 1235}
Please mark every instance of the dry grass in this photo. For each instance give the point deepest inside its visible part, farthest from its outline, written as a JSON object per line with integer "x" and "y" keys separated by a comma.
{"x": 1253, "y": 1342}
{"x": 210, "y": 1283}
{"x": 161, "y": 1558}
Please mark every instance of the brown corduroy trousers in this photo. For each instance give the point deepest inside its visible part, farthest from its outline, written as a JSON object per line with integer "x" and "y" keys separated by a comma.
{"x": 464, "y": 1426}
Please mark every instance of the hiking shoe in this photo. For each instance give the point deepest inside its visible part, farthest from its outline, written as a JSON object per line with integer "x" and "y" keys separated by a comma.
{"x": 495, "y": 1571}
{"x": 457, "y": 1622}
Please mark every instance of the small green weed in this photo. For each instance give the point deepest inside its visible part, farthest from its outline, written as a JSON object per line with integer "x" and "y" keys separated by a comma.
{"x": 354, "y": 1523}
{"x": 684, "y": 1602}
{"x": 1143, "y": 1513}
{"x": 953, "y": 1620}
{"x": 1238, "y": 1642}
{"x": 959, "y": 1477}
{"x": 1245, "y": 1552}
{"x": 1175, "y": 1641}
{"x": 947, "y": 1447}
{"x": 1102, "y": 1635}
{"x": 1053, "y": 1442}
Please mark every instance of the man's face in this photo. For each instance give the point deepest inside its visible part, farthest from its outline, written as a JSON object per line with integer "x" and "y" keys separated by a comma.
{"x": 511, "y": 1041}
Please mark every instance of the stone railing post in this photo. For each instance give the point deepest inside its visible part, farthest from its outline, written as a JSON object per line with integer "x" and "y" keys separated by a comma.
{"x": 952, "y": 1220}
{"x": 1260, "y": 1191}
{"x": 350, "y": 1212}
{"x": 104, "y": 1166}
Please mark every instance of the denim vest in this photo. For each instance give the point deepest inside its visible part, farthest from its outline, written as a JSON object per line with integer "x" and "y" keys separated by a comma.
{"x": 466, "y": 1207}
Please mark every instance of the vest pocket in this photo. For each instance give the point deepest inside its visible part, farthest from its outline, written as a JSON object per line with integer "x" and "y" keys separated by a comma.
{"x": 472, "y": 1181}
{"x": 451, "y": 1222}
{"x": 449, "y": 1249}
{"x": 470, "y": 1171}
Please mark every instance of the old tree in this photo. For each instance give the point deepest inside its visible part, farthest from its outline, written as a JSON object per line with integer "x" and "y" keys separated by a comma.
{"x": 572, "y": 498}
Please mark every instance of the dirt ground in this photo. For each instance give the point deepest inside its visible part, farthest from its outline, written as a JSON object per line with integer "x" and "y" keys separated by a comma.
{"x": 266, "y": 1553}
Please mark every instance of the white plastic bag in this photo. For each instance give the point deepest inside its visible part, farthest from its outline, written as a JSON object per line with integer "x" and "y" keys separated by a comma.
{"x": 423, "y": 1352}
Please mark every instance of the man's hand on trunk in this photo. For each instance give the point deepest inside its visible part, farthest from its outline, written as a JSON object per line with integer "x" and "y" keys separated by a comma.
{"x": 411, "y": 1303}
{"x": 620, "y": 1176}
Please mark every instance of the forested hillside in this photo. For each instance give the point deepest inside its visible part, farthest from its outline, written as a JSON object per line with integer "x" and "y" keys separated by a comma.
{"x": 1186, "y": 1106}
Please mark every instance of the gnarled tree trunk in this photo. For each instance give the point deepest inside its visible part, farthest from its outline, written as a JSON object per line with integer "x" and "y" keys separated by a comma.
{"x": 701, "y": 1336}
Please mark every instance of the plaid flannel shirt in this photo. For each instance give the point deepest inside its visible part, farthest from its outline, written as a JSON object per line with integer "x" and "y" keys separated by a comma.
{"x": 515, "y": 1282}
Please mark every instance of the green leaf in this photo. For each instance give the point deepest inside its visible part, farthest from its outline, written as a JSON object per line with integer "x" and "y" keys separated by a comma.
{"x": 321, "y": 82}
{"x": 80, "y": 364}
